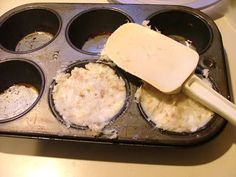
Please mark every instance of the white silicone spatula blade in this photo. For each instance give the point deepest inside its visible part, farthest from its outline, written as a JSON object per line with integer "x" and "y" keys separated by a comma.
{"x": 157, "y": 59}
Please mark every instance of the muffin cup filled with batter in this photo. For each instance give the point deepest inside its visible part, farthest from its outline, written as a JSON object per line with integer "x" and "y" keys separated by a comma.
{"x": 88, "y": 95}
{"x": 173, "y": 113}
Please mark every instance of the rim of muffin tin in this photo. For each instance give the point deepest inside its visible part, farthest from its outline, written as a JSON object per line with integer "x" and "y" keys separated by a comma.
{"x": 129, "y": 20}
{"x": 27, "y": 8}
{"x": 188, "y": 11}
{"x": 213, "y": 119}
{"x": 40, "y": 72}
{"x": 82, "y": 63}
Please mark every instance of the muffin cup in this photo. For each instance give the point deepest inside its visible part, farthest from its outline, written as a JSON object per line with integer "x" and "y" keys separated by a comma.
{"x": 214, "y": 118}
{"x": 183, "y": 26}
{"x": 88, "y": 31}
{"x": 28, "y": 30}
{"x": 81, "y": 64}
{"x": 21, "y": 72}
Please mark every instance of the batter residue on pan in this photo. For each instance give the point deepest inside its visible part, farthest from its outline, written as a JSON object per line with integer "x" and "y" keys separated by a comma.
{"x": 16, "y": 99}
{"x": 33, "y": 41}
{"x": 96, "y": 44}
{"x": 89, "y": 96}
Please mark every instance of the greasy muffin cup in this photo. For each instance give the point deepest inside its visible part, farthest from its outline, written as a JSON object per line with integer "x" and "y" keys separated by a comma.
{"x": 29, "y": 30}
{"x": 88, "y": 31}
{"x": 184, "y": 26}
{"x": 89, "y": 94}
{"x": 21, "y": 86}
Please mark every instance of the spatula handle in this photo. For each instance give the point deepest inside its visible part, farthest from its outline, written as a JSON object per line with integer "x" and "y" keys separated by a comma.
{"x": 195, "y": 88}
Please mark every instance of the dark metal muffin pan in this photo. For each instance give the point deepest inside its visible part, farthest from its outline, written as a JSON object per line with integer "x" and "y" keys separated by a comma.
{"x": 71, "y": 26}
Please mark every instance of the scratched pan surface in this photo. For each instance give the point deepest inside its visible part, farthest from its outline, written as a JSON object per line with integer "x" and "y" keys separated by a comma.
{"x": 38, "y": 41}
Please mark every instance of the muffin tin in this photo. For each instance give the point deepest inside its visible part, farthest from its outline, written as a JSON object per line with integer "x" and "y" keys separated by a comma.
{"x": 38, "y": 41}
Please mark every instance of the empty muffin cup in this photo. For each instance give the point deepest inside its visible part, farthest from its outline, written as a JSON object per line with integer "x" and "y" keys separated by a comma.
{"x": 88, "y": 31}
{"x": 89, "y": 94}
{"x": 185, "y": 27}
{"x": 29, "y": 30}
{"x": 21, "y": 86}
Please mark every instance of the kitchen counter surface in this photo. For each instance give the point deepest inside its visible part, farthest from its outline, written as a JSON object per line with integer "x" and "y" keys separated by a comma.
{"x": 36, "y": 158}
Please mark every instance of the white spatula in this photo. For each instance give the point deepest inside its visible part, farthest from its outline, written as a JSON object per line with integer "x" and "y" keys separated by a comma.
{"x": 165, "y": 64}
